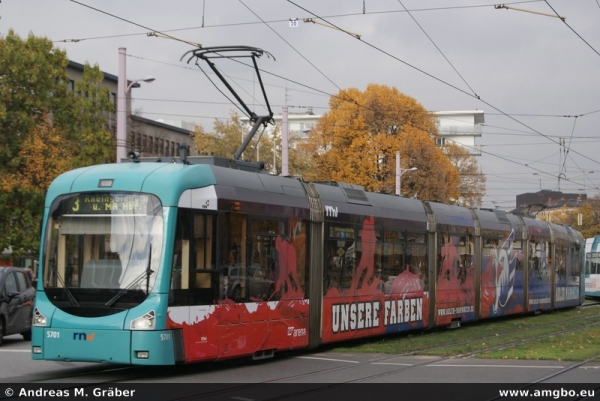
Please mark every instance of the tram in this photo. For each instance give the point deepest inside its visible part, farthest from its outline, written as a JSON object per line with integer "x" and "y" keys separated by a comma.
{"x": 191, "y": 259}
{"x": 592, "y": 267}
{"x": 163, "y": 261}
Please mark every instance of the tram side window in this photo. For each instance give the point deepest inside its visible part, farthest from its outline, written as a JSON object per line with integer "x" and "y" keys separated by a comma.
{"x": 366, "y": 245}
{"x": 561, "y": 261}
{"x": 518, "y": 254}
{"x": 416, "y": 256}
{"x": 393, "y": 253}
{"x": 264, "y": 258}
{"x": 292, "y": 277}
{"x": 233, "y": 252}
{"x": 575, "y": 263}
{"x": 404, "y": 251}
{"x": 455, "y": 256}
{"x": 340, "y": 257}
{"x": 539, "y": 259}
{"x": 278, "y": 251}
{"x": 262, "y": 262}
{"x": 591, "y": 263}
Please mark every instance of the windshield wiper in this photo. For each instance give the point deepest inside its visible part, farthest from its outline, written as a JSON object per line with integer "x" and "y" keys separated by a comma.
{"x": 70, "y": 296}
{"x": 145, "y": 275}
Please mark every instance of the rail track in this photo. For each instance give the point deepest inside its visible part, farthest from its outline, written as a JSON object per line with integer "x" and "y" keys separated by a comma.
{"x": 103, "y": 375}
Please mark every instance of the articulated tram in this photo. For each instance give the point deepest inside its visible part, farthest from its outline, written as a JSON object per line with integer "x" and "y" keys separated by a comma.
{"x": 162, "y": 262}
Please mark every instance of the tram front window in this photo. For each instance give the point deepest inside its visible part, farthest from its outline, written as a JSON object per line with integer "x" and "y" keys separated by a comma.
{"x": 102, "y": 251}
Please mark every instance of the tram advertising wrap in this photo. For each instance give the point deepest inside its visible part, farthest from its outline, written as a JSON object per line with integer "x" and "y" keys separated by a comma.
{"x": 158, "y": 263}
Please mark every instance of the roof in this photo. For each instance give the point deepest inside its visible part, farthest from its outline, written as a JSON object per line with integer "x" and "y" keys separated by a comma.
{"x": 478, "y": 115}
{"x": 109, "y": 77}
{"x": 161, "y": 125}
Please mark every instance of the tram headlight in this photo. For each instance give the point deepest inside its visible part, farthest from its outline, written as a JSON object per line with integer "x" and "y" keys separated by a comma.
{"x": 145, "y": 322}
{"x": 38, "y": 319}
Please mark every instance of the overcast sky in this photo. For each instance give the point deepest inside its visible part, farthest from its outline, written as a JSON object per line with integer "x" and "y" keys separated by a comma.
{"x": 536, "y": 77}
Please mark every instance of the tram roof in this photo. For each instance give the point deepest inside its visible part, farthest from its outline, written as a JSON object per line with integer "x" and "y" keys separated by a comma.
{"x": 165, "y": 180}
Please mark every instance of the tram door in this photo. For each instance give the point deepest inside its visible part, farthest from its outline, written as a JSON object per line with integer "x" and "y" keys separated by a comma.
{"x": 195, "y": 283}
{"x": 195, "y": 278}
{"x": 204, "y": 274}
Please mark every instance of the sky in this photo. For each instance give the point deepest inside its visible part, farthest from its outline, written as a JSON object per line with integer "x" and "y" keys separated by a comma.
{"x": 535, "y": 76}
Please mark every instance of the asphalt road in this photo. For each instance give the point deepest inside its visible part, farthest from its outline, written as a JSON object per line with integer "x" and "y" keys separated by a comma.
{"x": 16, "y": 366}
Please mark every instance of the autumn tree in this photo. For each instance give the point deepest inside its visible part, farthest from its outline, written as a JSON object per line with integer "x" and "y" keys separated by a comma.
{"x": 472, "y": 181}
{"x": 223, "y": 141}
{"x": 43, "y": 119}
{"x": 590, "y": 217}
{"x": 357, "y": 140}
{"x": 46, "y": 157}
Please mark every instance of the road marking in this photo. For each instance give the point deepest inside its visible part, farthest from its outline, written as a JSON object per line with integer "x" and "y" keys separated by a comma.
{"x": 496, "y": 366}
{"x": 15, "y": 350}
{"x": 392, "y": 363}
{"x": 327, "y": 359}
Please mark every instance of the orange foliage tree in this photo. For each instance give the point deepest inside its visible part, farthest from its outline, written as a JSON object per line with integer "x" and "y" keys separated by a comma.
{"x": 472, "y": 181}
{"x": 357, "y": 141}
{"x": 41, "y": 158}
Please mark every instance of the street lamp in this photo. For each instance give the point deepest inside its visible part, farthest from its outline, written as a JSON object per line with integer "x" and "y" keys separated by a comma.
{"x": 400, "y": 171}
{"x": 122, "y": 89}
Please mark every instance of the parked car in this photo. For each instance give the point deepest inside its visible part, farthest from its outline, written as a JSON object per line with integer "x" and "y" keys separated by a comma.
{"x": 17, "y": 297}
{"x": 257, "y": 286}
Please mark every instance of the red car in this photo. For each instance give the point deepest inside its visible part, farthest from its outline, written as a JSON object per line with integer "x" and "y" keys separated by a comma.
{"x": 17, "y": 297}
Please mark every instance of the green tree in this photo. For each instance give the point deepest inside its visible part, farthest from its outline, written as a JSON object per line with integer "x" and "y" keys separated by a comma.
{"x": 357, "y": 140}
{"x": 88, "y": 132}
{"x": 45, "y": 128}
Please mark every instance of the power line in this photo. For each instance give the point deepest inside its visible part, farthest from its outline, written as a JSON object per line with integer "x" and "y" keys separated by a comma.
{"x": 123, "y": 19}
{"x": 575, "y": 32}
{"x": 236, "y": 24}
{"x": 441, "y": 81}
{"x": 346, "y": 99}
{"x": 290, "y": 45}
{"x": 436, "y": 46}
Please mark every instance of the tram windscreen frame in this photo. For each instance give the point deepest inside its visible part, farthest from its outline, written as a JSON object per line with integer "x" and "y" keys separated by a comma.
{"x": 102, "y": 249}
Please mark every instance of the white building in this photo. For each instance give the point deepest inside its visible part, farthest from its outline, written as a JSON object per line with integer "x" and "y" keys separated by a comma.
{"x": 460, "y": 127}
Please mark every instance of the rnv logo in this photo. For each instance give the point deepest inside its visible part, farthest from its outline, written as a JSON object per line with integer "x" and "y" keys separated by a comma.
{"x": 331, "y": 211}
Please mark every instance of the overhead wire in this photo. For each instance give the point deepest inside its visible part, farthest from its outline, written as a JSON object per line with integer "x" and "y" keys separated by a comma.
{"x": 203, "y": 26}
{"x": 438, "y": 49}
{"x": 291, "y": 46}
{"x": 505, "y": 114}
{"x": 121, "y": 18}
{"x": 442, "y": 81}
{"x": 573, "y": 30}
